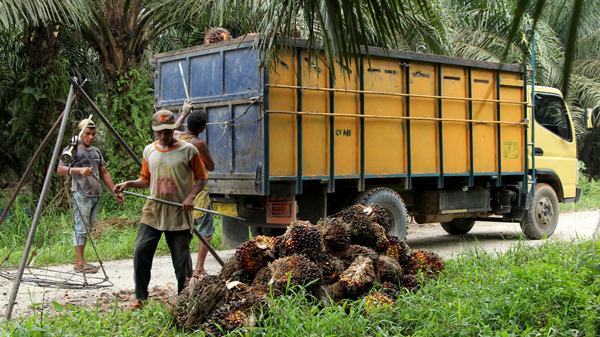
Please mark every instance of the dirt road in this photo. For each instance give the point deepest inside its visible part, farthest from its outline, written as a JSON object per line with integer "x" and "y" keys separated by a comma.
{"x": 491, "y": 236}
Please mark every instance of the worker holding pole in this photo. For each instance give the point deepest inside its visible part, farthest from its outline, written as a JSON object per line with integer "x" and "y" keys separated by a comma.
{"x": 84, "y": 165}
{"x": 169, "y": 169}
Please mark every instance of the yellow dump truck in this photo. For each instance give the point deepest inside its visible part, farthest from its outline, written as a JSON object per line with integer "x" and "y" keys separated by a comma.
{"x": 435, "y": 138}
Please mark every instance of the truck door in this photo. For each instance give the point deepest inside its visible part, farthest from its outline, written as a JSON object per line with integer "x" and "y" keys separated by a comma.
{"x": 555, "y": 147}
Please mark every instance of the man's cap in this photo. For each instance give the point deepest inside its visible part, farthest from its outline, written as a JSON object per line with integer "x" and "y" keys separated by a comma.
{"x": 163, "y": 120}
{"x": 91, "y": 125}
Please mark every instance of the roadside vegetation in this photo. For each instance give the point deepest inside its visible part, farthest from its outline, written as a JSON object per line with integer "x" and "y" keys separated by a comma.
{"x": 114, "y": 236}
{"x": 116, "y": 228}
{"x": 550, "y": 289}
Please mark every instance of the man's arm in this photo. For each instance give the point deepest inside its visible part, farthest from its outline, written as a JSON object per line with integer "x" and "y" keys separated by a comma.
{"x": 202, "y": 147}
{"x": 64, "y": 170}
{"x": 185, "y": 111}
{"x": 188, "y": 203}
{"x": 139, "y": 184}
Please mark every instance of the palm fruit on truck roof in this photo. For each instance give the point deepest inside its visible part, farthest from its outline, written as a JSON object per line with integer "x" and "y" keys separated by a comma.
{"x": 354, "y": 251}
{"x": 358, "y": 278}
{"x": 255, "y": 254}
{"x": 334, "y": 233}
{"x": 200, "y": 296}
{"x": 425, "y": 261}
{"x": 216, "y": 34}
{"x": 298, "y": 269}
{"x": 376, "y": 302}
{"x": 301, "y": 237}
{"x": 363, "y": 231}
{"x": 388, "y": 269}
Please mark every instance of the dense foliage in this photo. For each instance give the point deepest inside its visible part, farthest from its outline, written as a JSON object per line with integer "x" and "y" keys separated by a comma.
{"x": 108, "y": 42}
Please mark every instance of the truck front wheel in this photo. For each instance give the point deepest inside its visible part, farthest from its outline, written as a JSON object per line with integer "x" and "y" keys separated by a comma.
{"x": 541, "y": 218}
{"x": 458, "y": 226}
{"x": 393, "y": 205}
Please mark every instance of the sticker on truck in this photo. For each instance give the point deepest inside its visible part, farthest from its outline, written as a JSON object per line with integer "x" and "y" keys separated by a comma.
{"x": 511, "y": 149}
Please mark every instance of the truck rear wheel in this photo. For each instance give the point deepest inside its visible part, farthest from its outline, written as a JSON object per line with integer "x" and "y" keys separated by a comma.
{"x": 458, "y": 226}
{"x": 541, "y": 218}
{"x": 393, "y": 205}
{"x": 266, "y": 231}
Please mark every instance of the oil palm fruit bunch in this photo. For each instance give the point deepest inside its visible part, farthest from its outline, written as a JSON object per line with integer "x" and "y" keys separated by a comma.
{"x": 262, "y": 278}
{"x": 298, "y": 269}
{"x": 377, "y": 301}
{"x": 331, "y": 266}
{"x": 335, "y": 292}
{"x": 390, "y": 289}
{"x": 216, "y": 34}
{"x": 426, "y": 261}
{"x": 200, "y": 296}
{"x": 354, "y": 251}
{"x": 301, "y": 237}
{"x": 234, "y": 315}
{"x": 255, "y": 254}
{"x": 334, "y": 233}
{"x": 388, "y": 269}
{"x": 380, "y": 216}
{"x": 358, "y": 278}
{"x": 232, "y": 270}
{"x": 397, "y": 249}
{"x": 411, "y": 282}
{"x": 363, "y": 231}
{"x": 292, "y": 31}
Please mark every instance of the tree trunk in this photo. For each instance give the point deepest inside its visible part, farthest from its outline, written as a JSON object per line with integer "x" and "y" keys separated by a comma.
{"x": 43, "y": 94}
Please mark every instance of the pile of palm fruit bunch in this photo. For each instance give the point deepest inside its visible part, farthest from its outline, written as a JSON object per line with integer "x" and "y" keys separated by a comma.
{"x": 341, "y": 259}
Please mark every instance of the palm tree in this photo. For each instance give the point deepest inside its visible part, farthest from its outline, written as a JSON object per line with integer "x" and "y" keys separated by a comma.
{"x": 39, "y": 75}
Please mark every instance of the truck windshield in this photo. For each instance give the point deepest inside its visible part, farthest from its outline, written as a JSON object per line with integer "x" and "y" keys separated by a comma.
{"x": 551, "y": 113}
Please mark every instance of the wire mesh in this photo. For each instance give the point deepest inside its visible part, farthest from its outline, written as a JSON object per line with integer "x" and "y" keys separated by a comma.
{"x": 49, "y": 278}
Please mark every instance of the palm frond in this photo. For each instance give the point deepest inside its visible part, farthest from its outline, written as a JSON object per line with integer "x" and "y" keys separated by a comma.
{"x": 33, "y": 12}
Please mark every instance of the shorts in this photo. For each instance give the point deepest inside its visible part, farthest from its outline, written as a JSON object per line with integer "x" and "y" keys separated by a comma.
{"x": 205, "y": 224}
{"x": 84, "y": 211}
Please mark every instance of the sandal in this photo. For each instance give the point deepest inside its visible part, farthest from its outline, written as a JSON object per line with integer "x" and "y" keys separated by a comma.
{"x": 93, "y": 270}
{"x": 135, "y": 305}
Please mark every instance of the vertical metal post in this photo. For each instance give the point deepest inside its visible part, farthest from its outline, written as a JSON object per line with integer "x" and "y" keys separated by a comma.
{"x": 331, "y": 185}
{"x": 40, "y": 206}
{"x": 525, "y": 133}
{"x": 532, "y": 113}
{"x": 266, "y": 138}
{"x": 499, "y": 130}
{"x": 471, "y": 168}
{"x": 361, "y": 183}
{"x": 299, "y": 121}
{"x": 440, "y": 134}
{"x": 408, "y": 151}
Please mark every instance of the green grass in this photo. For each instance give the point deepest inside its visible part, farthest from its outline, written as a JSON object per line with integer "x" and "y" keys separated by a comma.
{"x": 54, "y": 243}
{"x": 543, "y": 290}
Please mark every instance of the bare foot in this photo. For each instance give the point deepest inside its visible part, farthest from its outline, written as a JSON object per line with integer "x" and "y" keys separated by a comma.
{"x": 200, "y": 272}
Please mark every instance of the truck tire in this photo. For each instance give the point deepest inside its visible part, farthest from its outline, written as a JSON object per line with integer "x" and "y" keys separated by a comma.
{"x": 458, "y": 226}
{"x": 266, "y": 231}
{"x": 394, "y": 206}
{"x": 541, "y": 218}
